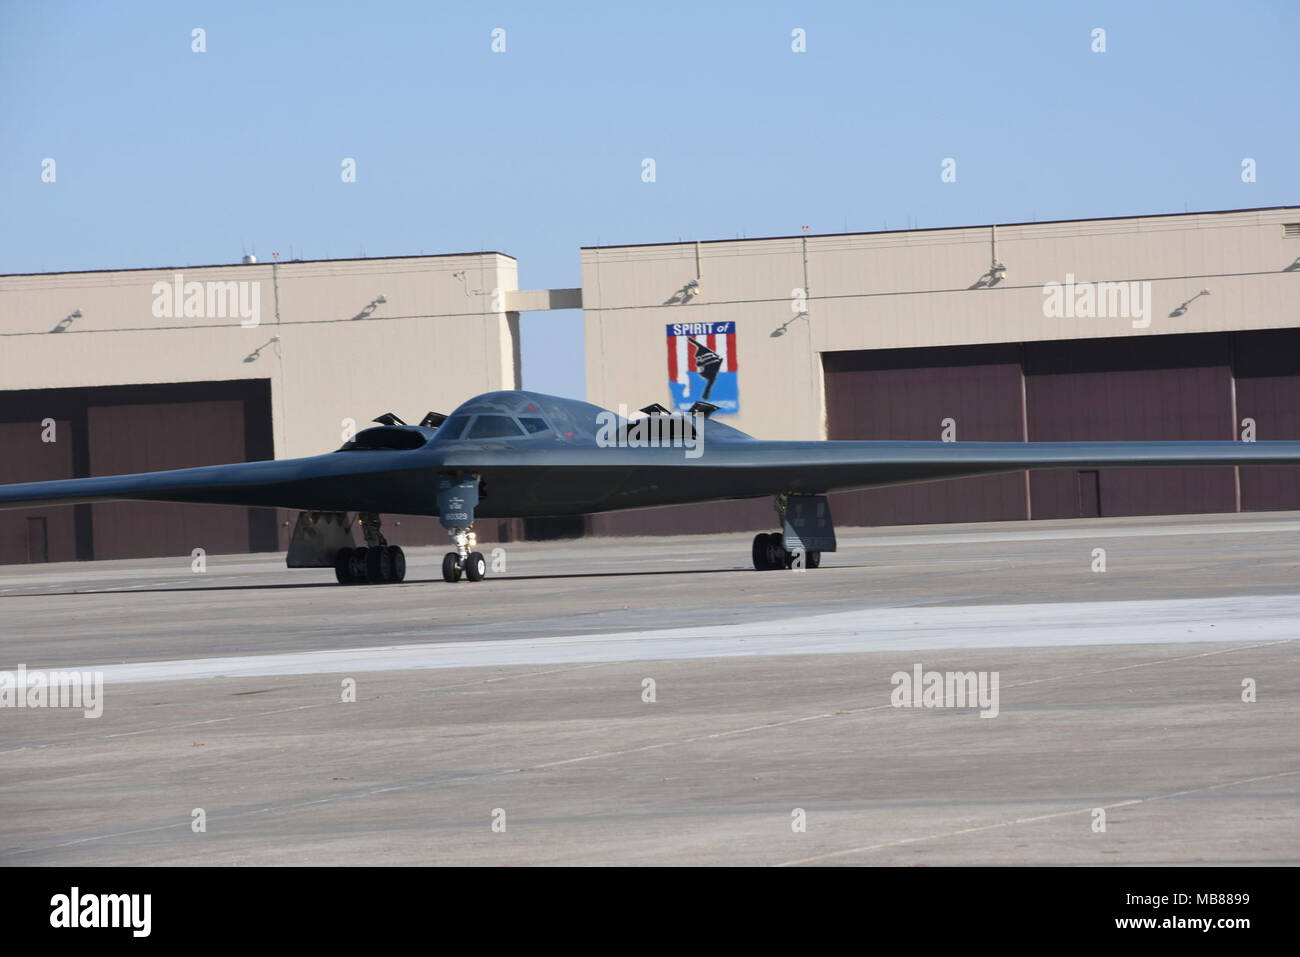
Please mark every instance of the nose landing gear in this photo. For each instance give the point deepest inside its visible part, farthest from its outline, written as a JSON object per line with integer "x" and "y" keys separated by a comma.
{"x": 463, "y": 561}
{"x": 458, "y": 495}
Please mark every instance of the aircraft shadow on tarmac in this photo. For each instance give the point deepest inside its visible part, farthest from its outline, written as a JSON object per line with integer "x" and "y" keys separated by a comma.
{"x": 280, "y": 586}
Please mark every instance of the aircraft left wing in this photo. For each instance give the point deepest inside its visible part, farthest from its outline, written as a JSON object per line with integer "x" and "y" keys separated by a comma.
{"x": 361, "y": 481}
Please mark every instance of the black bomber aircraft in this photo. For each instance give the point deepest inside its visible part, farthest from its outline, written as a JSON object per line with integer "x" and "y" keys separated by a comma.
{"x": 519, "y": 454}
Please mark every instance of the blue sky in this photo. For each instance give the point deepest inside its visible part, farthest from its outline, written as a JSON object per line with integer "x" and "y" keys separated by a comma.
{"x": 169, "y": 157}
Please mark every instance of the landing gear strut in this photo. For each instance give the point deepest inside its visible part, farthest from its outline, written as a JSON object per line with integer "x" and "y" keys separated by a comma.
{"x": 462, "y": 561}
{"x": 374, "y": 563}
{"x": 770, "y": 551}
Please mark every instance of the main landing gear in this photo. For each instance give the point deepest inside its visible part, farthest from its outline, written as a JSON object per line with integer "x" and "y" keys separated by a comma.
{"x": 375, "y": 563}
{"x": 370, "y": 565}
{"x": 807, "y": 522}
{"x": 769, "y": 553}
{"x": 463, "y": 561}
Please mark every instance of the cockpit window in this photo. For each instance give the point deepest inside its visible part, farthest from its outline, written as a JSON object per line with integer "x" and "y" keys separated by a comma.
{"x": 453, "y": 427}
{"x": 532, "y": 425}
{"x": 494, "y": 427}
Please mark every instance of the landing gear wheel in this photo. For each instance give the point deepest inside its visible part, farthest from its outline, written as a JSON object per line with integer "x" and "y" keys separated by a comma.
{"x": 396, "y": 564}
{"x": 762, "y": 546}
{"x": 812, "y": 559}
{"x": 343, "y": 566}
{"x": 451, "y": 567}
{"x": 777, "y": 556}
{"x": 379, "y": 565}
{"x": 359, "y": 566}
{"x": 476, "y": 567}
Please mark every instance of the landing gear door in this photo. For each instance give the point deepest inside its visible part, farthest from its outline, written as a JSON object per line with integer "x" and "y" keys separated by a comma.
{"x": 457, "y": 499}
{"x": 317, "y": 539}
{"x": 808, "y": 525}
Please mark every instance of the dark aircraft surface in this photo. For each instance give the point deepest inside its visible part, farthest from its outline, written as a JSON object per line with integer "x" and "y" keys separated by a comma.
{"x": 522, "y": 454}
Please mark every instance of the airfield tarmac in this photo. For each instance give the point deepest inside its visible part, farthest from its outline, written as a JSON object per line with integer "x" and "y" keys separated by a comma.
{"x": 521, "y": 698}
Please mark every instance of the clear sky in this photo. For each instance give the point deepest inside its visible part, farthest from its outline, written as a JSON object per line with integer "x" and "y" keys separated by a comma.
{"x": 170, "y": 157}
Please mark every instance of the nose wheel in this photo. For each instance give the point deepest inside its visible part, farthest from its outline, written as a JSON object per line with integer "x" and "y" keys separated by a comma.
{"x": 473, "y": 567}
{"x": 464, "y": 562}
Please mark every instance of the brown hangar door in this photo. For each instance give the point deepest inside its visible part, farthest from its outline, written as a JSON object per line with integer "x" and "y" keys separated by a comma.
{"x": 1267, "y": 364}
{"x": 907, "y": 394}
{"x": 37, "y": 448}
{"x": 153, "y": 438}
{"x": 1135, "y": 389}
{"x": 114, "y": 430}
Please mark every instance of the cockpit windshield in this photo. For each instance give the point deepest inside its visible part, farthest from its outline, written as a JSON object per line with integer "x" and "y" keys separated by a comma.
{"x": 453, "y": 427}
{"x": 492, "y": 425}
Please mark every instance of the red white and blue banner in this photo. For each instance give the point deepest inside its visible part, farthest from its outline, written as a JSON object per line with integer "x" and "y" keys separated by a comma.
{"x": 702, "y": 365}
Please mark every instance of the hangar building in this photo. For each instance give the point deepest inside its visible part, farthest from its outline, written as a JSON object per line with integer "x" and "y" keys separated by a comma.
{"x": 1145, "y": 327}
{"x": 140, "y": 370}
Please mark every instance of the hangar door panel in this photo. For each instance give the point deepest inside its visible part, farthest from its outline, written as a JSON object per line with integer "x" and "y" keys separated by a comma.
{"x": 154, "y": 437}
{"x": 1170, "y": 388}
{"x": 906, "y": 394}
{"x": 1268, "y": 391}
{"x": 37, "y": 534}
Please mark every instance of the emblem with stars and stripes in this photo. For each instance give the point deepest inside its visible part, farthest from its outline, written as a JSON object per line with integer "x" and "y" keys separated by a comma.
{"x": 702, "y": 365}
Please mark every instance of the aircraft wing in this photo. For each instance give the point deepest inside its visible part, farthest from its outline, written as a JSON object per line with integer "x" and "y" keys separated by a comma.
{"x": 559, "y": 480}
{"x": 845, "y": 465}
{"x": 362, "y": 480}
